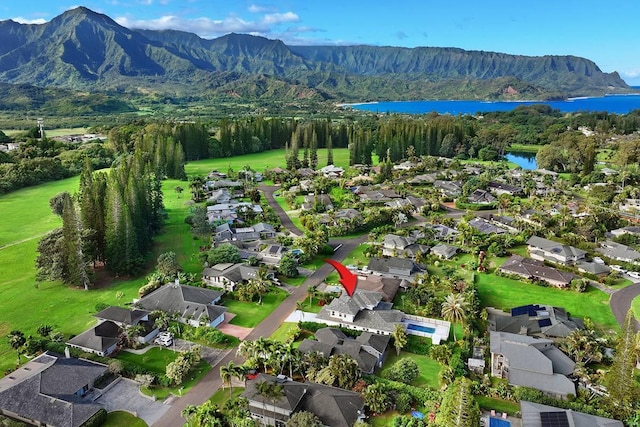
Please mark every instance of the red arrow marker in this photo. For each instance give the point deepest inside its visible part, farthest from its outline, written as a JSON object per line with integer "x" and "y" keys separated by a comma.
{"x": 348, "y": 279}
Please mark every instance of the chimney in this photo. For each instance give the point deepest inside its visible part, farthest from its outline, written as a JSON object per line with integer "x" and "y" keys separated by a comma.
{"x": 67, "y": 354}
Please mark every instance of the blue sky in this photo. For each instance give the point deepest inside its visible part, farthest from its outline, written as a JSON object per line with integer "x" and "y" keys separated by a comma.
{"x": 603, "y": 31}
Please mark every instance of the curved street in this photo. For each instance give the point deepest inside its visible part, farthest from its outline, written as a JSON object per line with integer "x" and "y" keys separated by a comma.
{"x": 620, "y": 302}
{"x": 212, "y": 382}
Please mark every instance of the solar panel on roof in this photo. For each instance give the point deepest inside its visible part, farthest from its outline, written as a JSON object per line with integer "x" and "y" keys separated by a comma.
{"x": 517, "y": 311}
{"x": 544, "y": 322}
{"x": 554, "y": 419}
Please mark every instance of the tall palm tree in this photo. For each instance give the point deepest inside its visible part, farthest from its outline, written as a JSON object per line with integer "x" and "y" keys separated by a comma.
{"x": 399, "y": 338}
{"x": 261, "y": 283}
{"x": 454, "y": 310}
{"x": 311, "y": 291}
{"x": 227, "y": 372}
{"x": 300, "y": 307}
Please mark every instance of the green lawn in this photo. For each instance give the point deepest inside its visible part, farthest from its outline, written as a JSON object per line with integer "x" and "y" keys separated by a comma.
{"x": 27, "y": 217}
{"x": 161, "y": 393}
{"x": 155, "y": 359}
{"x": 260, "y": 161}
{"x": 249, "y": 314}
{"x": 282, "y": 333}
{"x": 504, "y": 293}
{"x": 429, "y": 368}
{"x": 635, "y": 306}
{"x": 221, "y": 396}
{"x": 499, "y": 405}
{"x": 122, "y": 418}
{"x": 294, "y": 215}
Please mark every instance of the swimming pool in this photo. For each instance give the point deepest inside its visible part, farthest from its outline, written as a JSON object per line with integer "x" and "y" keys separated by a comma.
{"x": 421, "y": 328}
{"x": 498, "y": 422}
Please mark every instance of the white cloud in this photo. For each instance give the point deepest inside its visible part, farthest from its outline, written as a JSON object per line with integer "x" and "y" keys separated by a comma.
{"x": 255, "y": 8}
{"x": 204, "y": 27}
{"x": 22, "y": 20}
{"x": 278, "y": 18}
{"x": 304, "y": 29}
{"x": 631, "y": 73}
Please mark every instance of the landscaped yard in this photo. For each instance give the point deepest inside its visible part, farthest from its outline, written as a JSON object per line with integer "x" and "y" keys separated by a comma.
{"x": 221, "y": 396}
{"x": 249, "y": 314}
{"x": 499, "y": 405}
{"x": 260, "y": 161}
{"x": 194, "y": 376}
{"x": 282, "y": 333}
{"x": 155, "y": 359}
{"x": 66, "y": 309}
{"x": 505, "y": 293}
{"x": 429, "y": 368}
{"x": 122, "y": 418}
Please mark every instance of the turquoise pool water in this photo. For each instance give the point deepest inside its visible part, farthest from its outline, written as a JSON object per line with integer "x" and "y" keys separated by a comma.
{"x": 421, "y": 328}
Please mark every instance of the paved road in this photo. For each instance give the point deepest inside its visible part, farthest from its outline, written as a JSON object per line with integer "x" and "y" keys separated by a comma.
{"x": 620, "y": 302}
{"x": 268, "y": 192}
{"x": 211, "y": 382}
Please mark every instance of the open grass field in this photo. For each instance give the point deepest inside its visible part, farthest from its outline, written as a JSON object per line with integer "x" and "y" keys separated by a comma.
{"x": 27, "y": 217}
{"x": 51, "y": 132}
{"x": 260, "y": 161}
{"x": 122, "y": 418}
{"x": 499, "y": 405}
{"x": 505, "y": 293}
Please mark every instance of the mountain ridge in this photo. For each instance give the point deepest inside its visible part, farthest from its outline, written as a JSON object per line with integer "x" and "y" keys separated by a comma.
{"x": 85, "y": 50}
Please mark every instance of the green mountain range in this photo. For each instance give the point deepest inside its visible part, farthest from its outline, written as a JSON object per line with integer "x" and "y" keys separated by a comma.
{"x": 83, "y": 50}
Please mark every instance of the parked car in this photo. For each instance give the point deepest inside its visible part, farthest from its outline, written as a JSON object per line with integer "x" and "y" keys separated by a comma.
{"x": 633, "y": 274}
{"x": 164, "y": 339}
{"x": 598, "y": 260}
{"x": 617, "y": 268}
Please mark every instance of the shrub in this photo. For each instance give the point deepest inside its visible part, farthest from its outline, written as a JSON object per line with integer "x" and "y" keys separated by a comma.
{"x": 404, "y": 370}
{"x": 98, "y": 419}
{"x": 404, "y": 401}
{"x": 101, "y": 306}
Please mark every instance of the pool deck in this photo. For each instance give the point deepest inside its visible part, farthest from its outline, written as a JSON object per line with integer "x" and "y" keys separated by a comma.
{"x": 441, "y": 327}
{"x": 485, "y": 418}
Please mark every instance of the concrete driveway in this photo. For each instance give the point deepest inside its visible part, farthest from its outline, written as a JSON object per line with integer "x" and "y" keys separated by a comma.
{"x": 125, "y": 395}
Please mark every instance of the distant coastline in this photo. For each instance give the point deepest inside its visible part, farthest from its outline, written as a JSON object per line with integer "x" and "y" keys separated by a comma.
{"x": 611, "y": 103}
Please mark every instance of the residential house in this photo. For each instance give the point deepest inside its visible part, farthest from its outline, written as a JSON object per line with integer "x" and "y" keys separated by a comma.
{"x": 401, "y": 246}
{"x": 378, "y": 196}
{"x": 543, "y": 321}
{"x": 225, "y": 232}
{"x": 500, "y": 188}
{"x": 533, "y": 269}
{"x": 449, "y": 189}
{"x": 531, "y": 362}
{"x": 443, "y": 251}
{"x": 632, "y": 229}
{"x": 402, "y": 268}
{"x": 332, "y": 171}
{"x": 228, "y": 276}
{"x": 548, "y": 250}
{"x": 504, "y": 221}
{"x": 364, "y": 311}
{"x": 538, "y": 415}
{"x": 630, "y": 206}
{"x": 619, "y": 252}
{"x": 486, "y": 227}
{"x": 405, "y": 166}
{"x": 305, "y": 173}
{"x": 387, "y": 286}
{"x": 51, "y": 390}
{"x": 481, "y": 197}
{"x": 441, "y": 233}
{"x": 223, "y": 183}
{"x": 272, "y": 254}
{"x": 368, "y": 349}
{"x": 126, "y": 318}
{"x": 594, "y": 268}
{"x": 334, "y": 406}
{"x": 313, "y": 200}
{"x": 194, "y": 306}
{"x": 103, "y": 339}
{"x": 220, "y": 196}
{"x": 229, "y": 211}
{"x": 423, "y": 179}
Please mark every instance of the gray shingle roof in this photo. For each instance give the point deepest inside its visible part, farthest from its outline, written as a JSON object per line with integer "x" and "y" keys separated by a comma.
{"x": 122, "y": 315}
{"x": 99, "y": 338}
{"x": 187, "y": 301}
{"x": 531, "y": 268}
{"x": 44, "y": 390}
{"x": 534, "y": 362}
{"x": 334, "y": 407}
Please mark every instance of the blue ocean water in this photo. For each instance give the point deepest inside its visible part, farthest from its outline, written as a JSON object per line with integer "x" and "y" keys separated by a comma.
{"x": 619, "y": 104}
